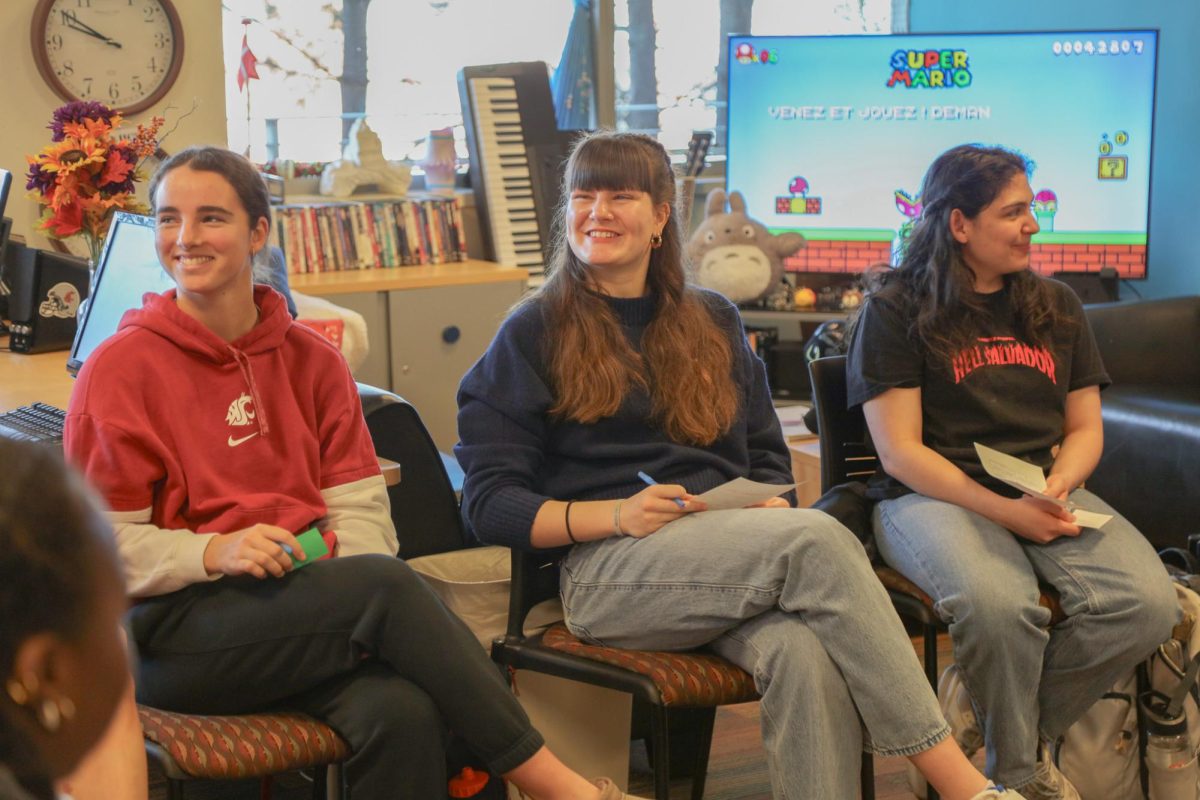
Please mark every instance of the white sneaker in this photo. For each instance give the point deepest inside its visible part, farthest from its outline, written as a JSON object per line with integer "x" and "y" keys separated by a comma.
{"x": 964, "y": 726}
{"x": 1048, "y": 783}
{"x": 998, "y": 793}
{"x": 957, "y": 708}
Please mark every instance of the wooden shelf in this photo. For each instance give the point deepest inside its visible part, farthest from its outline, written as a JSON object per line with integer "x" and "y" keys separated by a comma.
{"x": 428, "y": 276}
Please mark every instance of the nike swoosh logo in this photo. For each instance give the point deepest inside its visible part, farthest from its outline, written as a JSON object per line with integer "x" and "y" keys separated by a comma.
{"x": 235, "y": 442}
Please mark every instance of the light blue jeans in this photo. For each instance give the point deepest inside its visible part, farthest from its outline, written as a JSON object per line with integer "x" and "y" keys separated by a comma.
{"x": 1028, "y": 682}
{"x": 789, "y": 596}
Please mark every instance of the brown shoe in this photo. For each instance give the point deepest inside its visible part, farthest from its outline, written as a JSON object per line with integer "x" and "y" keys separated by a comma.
{"x": 609, "y": 790}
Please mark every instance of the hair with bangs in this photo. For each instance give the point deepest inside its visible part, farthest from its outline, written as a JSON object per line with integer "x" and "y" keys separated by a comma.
{"x": 932, "y": 278}
{"x": 686, "y": 360}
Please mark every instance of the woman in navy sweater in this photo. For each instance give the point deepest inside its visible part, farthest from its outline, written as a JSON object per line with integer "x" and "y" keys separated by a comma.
{"x": 616, "y": 366}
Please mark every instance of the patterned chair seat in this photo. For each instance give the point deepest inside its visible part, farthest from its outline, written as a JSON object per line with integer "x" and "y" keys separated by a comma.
{"x": 896, "y": 582}
{"x": 685, "y": 680}
{"x": 243, "y": 746}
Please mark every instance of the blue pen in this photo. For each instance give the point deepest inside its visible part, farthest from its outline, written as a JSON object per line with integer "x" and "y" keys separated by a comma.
{"x": 651, "y": 482}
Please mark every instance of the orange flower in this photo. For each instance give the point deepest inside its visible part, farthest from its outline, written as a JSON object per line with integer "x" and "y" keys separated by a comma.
{"x": 69, "y": 155}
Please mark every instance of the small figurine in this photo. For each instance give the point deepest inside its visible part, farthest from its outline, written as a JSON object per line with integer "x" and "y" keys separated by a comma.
{"x": 805, "y": 298}
{"x": 851, "y": 298}
{"x": 363, "y": 165}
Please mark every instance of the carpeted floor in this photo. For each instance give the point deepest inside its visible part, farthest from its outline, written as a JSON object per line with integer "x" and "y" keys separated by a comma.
{"x": 737, "y": 767}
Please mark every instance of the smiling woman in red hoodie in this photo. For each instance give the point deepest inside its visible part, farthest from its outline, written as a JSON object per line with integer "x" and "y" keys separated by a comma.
{"x": 217, "y": 429}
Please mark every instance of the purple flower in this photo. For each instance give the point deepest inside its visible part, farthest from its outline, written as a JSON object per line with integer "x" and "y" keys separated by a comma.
{"x": 39, "y": 181}
{"x": 77, "y": 111}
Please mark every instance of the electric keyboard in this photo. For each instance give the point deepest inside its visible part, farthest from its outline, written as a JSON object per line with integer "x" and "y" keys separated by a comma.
{"x": 39, "y": 422}
{"x": 517, "y": 154}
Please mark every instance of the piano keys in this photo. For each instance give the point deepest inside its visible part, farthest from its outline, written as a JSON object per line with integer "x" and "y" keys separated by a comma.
{"x": 517, "y": 155}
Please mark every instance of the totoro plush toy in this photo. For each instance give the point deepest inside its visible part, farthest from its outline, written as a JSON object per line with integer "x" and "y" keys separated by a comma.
{"x": 735, "y": 255}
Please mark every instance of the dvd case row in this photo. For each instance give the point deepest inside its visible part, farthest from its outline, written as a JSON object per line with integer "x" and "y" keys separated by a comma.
{"x": 325, "y": 237}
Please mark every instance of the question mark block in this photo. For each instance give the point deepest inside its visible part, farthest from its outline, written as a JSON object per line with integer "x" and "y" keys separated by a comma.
{"x": 1112, "y": 168}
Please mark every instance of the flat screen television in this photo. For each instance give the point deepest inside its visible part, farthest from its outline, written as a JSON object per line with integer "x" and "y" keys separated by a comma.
{"x": 830, "y": 136}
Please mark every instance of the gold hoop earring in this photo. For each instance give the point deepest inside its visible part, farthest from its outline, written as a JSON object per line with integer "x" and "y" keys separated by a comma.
{"x": 656, "y": 240}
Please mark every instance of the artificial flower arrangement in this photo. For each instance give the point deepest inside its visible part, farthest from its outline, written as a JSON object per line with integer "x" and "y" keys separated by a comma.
{"x": 88, "y": 172}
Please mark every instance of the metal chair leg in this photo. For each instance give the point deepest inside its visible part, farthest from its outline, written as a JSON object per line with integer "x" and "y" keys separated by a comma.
{"x": 931, "y": 672}
{"x": 929, "y": 638}
{"x": 867, "y": 776}
{"x": 704, "y": 732}
{"x": 662, "y": 753}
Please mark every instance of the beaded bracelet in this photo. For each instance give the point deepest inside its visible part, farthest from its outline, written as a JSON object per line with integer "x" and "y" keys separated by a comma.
{"x": 567, "y": 519}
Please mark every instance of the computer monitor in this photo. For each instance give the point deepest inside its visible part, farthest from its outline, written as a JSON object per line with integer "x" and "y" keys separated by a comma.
{"x": 5, "y": 223}
{"x": 128, "y": 268}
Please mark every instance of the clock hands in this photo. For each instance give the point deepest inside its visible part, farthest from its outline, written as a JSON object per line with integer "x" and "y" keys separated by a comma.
{"x": 71, "y": 21}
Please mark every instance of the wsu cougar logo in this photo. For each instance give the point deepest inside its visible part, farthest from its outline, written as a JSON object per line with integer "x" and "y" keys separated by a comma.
{"x": 241, "y": 412}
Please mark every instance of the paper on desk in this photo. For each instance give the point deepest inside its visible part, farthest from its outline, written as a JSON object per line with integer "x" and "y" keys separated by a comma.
{"x": 742, "y": 492}
{"x": 791, "y": 420}
{"x": 1029, "y": 479}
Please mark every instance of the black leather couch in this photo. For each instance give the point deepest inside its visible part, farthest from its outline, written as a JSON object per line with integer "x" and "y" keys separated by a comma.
{"x": 1150, "y": 470}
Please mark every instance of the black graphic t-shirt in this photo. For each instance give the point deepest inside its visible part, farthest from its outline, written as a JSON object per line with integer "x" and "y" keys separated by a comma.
{"x": 1002, "y": 392}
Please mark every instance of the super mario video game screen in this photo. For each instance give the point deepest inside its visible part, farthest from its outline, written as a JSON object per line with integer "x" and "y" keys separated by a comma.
{"x": 829, "y": 136}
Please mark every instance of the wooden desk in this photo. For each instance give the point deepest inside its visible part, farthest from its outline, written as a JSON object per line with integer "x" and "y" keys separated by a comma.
{"x": 806, "y": 469}
{"x": 25, "y": 379}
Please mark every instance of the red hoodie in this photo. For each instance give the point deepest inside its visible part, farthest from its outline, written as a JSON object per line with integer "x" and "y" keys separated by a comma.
{"x": 181, "y": 431}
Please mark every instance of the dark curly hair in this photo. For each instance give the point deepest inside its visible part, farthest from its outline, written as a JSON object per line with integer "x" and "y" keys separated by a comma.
{"x": 933, "y": 284}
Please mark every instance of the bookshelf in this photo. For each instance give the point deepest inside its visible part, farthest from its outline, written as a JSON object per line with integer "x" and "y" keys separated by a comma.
{"x": 321, "y": 234}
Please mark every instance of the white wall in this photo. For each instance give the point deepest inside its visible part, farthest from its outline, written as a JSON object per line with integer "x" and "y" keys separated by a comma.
{"x": 27, "y": 103}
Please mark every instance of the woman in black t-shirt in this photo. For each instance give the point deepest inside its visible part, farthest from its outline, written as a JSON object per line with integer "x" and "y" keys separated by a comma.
{"x": 963, "y": 344}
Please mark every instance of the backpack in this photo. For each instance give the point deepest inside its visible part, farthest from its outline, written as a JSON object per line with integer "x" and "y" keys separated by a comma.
{"x": 1103, "y": 753}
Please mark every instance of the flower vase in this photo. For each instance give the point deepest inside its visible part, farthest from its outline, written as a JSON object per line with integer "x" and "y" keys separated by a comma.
{"x": 440, "y": 162}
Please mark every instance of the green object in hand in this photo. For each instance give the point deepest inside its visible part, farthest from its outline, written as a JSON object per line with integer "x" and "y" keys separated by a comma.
{"x": 314, "y": 548}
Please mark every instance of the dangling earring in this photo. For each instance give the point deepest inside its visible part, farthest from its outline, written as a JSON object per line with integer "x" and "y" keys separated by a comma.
{"x": 51, "y": 713}
{"x": 656, "y": 240}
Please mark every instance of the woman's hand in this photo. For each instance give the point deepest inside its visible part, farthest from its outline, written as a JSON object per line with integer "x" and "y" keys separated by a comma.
{"x": 1039, "y": 520}
{"x": 655, "y": 506}
{"x": 774, "y": 502}
{"x": 257, "y": 550}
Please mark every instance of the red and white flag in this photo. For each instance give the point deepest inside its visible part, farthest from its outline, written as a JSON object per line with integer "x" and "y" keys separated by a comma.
{"x": 248, "y": 68}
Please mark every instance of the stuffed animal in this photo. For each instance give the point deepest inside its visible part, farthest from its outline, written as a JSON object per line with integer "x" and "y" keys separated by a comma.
{"x": 735, "y": 255}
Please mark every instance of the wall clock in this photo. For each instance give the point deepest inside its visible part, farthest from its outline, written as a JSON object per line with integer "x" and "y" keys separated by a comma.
{"x": 123, "y": 53}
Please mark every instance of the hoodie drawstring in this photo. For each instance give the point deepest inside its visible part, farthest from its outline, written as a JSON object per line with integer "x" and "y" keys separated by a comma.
{"x": 260, "y": 414}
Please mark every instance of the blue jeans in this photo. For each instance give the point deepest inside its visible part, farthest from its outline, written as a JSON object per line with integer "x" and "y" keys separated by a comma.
{"x": 789, "y": 596}
{"x": 1028, "y": 682}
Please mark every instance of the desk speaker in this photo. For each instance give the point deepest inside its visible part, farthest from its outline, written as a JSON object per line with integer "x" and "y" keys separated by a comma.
{"x": 47, "y": 289}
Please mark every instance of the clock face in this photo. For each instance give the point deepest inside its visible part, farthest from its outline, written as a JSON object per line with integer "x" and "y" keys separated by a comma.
{"x": 123, "y": 53}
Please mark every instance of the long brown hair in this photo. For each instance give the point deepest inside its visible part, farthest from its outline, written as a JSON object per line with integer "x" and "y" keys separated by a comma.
{"x": 935, "y": 281}
{"x": 686, "y": 360}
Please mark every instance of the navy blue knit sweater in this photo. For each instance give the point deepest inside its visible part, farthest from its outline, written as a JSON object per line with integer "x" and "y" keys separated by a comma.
{"x": 516, "y": 457}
